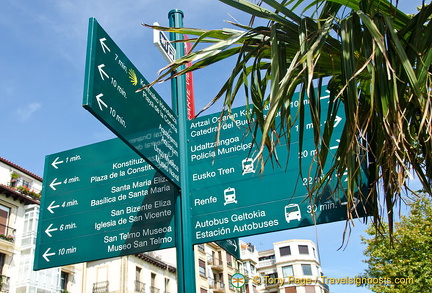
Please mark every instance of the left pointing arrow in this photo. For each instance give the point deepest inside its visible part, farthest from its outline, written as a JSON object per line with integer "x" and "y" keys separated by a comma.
{"x": 54, "y": 183}
{"x": 47, "y": 253}
{"x": 56, "y": 162}
{"x": 49, "y": 230}
{"x": 102, "y": 72}
{"x": 52, "y": 206}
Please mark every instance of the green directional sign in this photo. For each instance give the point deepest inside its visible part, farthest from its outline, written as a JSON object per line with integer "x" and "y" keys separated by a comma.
{"x": 143, "y": 120}
{"x": 101, "y": 201}
{"x": 232, "y": 246}
{"x": 229, "y": 198}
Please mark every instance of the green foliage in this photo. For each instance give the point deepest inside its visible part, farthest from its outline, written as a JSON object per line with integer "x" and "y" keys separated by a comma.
{"x": 377, "y": 61}
{"x": 409, "y": 258}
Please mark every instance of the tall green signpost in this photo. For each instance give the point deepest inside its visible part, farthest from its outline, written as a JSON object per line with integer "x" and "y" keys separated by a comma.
{"x": 131, "y": 187}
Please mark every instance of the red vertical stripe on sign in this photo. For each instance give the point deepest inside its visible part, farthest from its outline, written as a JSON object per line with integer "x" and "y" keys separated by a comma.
{"x": 189, "y": 85}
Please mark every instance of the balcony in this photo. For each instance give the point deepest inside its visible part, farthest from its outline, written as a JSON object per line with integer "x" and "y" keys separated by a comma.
{"x": 153, "y": 289}
{"x": 139, "y": 287}
{"x": 101, "y": 287}
{"x": 215, "y": 263}
{"x": 7, "y": 233}
{"x": 219, "y": 287}
{"x": 267, "y": 262}
{"x": 246, "y": 272}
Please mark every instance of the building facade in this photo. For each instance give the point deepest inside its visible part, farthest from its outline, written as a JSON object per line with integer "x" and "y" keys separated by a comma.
{"x": 249, "y": 259}
{"x": 19, "y": 210}
{"x": 215, "y": 268}
{"x": 292, "y": 266}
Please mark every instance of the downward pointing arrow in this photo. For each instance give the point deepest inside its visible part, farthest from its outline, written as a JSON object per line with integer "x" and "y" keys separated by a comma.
{"x": 49, "y": 230}
{"x": 102, "y": 72}
{"x": 100, "y": 102}
{"x": 103, "y": 45}
{"x": 46, "y": 254}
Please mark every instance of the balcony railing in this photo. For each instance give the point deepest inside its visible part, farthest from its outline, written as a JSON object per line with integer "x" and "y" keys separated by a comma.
{"x": 153, "y": 289}
{"x": 139, "y": 286}
{"x": 219, "y": 285}
{"x": 7, "y": 233}
{"x": 267, "y": 262}
{"x": 101, "y": 287}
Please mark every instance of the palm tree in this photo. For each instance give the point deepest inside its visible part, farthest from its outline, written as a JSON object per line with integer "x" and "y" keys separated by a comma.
{"x": 377, "y": 63}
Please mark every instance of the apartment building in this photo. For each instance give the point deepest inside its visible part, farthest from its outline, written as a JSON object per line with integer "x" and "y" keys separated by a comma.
{"x": 144, "y": 272}
{"x": 250, "y": 262}
{"x": 19, "y": 210}
{"x": 292, "y": 266}
{"x": 215, "y": 268}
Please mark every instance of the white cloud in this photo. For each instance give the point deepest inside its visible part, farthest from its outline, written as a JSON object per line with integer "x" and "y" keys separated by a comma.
{"x": 22, "y": 114}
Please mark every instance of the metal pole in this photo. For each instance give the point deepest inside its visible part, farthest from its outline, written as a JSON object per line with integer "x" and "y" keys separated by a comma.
{"x": 184, "y": 246}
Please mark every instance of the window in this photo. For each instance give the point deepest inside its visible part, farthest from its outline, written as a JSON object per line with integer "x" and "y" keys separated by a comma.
{"x": 290, "y": 289}
{"x": 262, "y": 258}
{"x": 64, "y": 278}
{"x": 272, "y": 276}
{"x": 310, "y": 289}
{"x": 25, "y": 183}
{"x": 307, "y": 270}
{"x": 285, "y": 251}
{"x": 230, "y": 283}
{"x": 287, "y": 271}
{"x": 152, "y": 280}
{"x": 303, "y": 249}
{"x": 4, "y": 219}
{"x": 202, "y": 268}
{"x": 138, "y": 273}
{"x": 252, "y": 267}
{"x": 2, "y": 262}
{"x": 228, "y": 259}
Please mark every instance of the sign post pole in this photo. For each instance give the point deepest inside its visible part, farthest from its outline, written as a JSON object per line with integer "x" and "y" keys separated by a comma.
{"x": 185, "y": 253}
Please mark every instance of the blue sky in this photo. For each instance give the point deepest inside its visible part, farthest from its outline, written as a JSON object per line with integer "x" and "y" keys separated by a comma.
{"x": 42, "y": 60}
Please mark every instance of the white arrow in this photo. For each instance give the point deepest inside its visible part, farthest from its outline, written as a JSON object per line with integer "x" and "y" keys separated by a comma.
{"x": 100, "y": 102}
{"x": 103, "y": 45}
{"x": 336, "y": 146}
{"x": 102, "y": 72}
{"x": 356, "y": 201}
{"x": 52, "y": 206}
{"x": 46, "y": 254}
{"x": 325, "y": 97}
{"x": 54, "y": 164}
{"x": 49, "y": 230}
{"x": 337, "y": 121}
{"x": 234, "y": 244}
{"x": 54, "y": 183}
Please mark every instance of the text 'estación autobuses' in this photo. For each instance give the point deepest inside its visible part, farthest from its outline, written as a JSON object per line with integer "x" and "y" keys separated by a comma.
{"x": 219, "y": 226}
